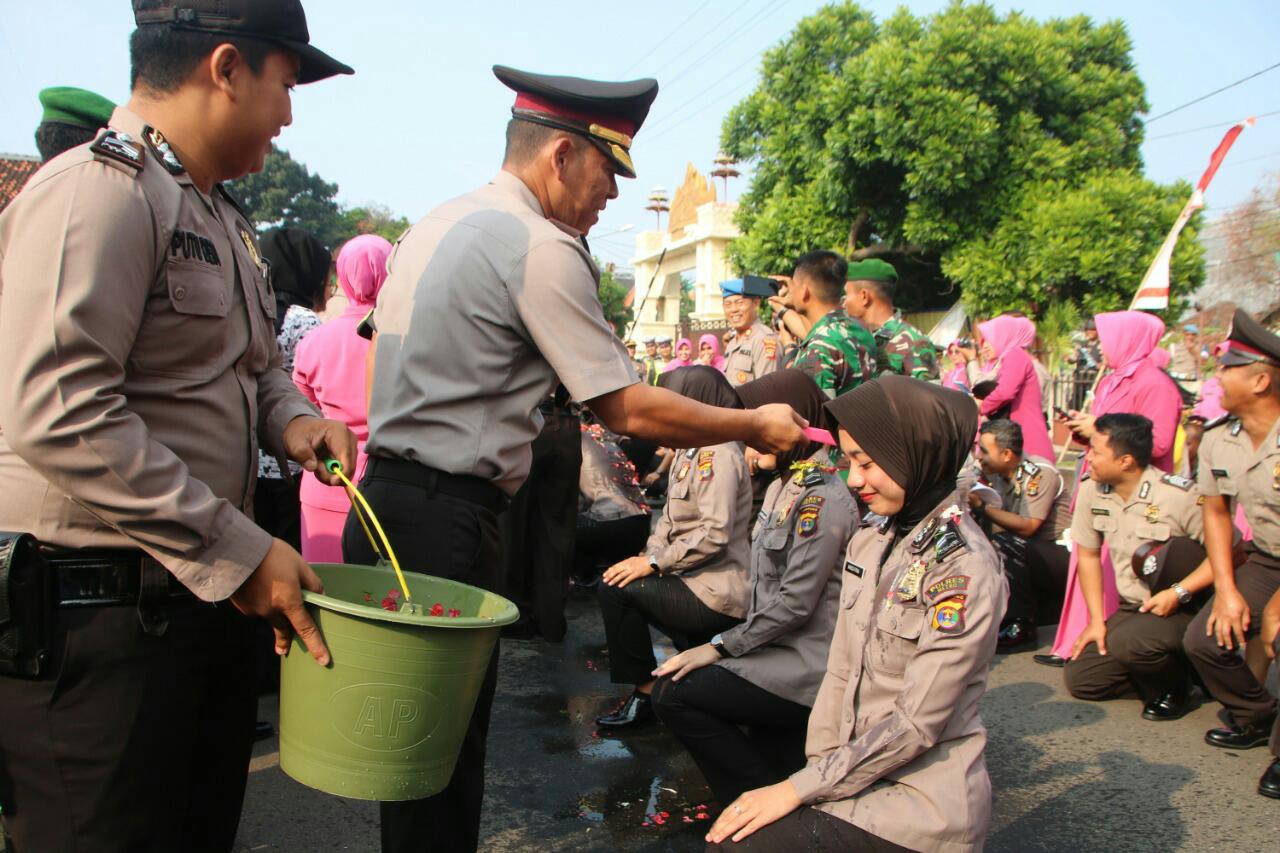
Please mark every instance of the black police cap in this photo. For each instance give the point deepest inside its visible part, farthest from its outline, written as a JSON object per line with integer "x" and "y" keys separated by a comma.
{"x": 1159, "y": 565}
{"x": 607, "y": 114}
{"x": 1248, "y": 342}
{"x": 279, "y": 21}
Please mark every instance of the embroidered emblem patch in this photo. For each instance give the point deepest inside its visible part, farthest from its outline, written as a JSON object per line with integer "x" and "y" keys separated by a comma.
{"x": 706, "y": 460}
{"x": 947, "y": 588}
{"x": 1033, "y": 485}
{"x": 948, "y": 615}
{"x": 742, "y": 376}
{"x": 807, "y": 519}
{"x": 770, "y": 347}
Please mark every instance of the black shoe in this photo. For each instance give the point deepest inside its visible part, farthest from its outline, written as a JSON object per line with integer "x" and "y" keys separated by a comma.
{"x": 1269, "y": 784}
{"x": 1240, "y": 737}
{"x": 263, "y": 730}
{"x": 635, "y": 710}
{"x": 1049, "y": 660}
{"x": 1170, "y": 706}
{"x": 1018, "y": 633}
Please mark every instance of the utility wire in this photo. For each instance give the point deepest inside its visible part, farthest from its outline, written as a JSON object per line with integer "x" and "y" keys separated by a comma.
{"x": 1214, "y": 92}
{"x": 1206, "y": 127}
{"x": 750, "y": 22}
{"x": 709, "y": 90}
{"x": 722, "y": 96}
{"x": 660, "y": 42}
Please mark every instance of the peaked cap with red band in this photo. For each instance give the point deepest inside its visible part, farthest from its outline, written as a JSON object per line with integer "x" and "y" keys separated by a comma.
{"x": 607, "y": 114}
{"x": 1248, "y": 342}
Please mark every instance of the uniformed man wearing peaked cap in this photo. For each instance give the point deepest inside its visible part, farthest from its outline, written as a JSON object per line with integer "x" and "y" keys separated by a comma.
{"x": 489, "y": 302}
{"x": 755, "y": 349}
{"x": 1239, "y": 465}
{"x": 138, "y": 376}
{"x": 70, "y": 117}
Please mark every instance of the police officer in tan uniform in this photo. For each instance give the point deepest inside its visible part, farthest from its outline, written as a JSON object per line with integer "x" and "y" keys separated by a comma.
{"x": 1035, "y": 510}
{"x": 138, "y": 377}
{"x": 1125, "y": 503}
{"x": 754, "y": 350}
{"x": 1240, "y": 465}
{"x": 489, "y": 301}
{"x": 895, "y": 743}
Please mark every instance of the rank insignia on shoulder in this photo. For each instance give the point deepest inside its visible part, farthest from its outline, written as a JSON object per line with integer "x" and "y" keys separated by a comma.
{"x": 948, "y": 615}
{"x": 1144, "y": 491}
{"x": 1105, "y": 489}
{"x": 706, "y": 464}
{"x": 1217, "y": 422}
{"x": 118, "y": 146}
{"x": 1236, "y": 427}
{"x": 1030, "y": 467}
{"x": 853, "y": 568}
{"x": 1174, "y": 480}
{"x": 948, "y": 542}
{"x": 947, "y": 588}
{"x": 807, "y": 518}
{"x": 163, "y": 151}
{"x": 923, "y": 536}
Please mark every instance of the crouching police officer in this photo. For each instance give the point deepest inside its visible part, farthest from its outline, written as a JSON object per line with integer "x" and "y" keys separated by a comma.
{"x": 138, "y": 373}
{"x": 1126, "y": 503}
{"x": 1240, "y": 464}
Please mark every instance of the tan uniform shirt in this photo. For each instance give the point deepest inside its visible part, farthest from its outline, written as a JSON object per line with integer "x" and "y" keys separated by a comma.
{"x": 895, "y": 741}
{"x": 1036, "y": 490}
{"x": 751, "y": 354}
{"x": 1182, "y": 362}
{"x": 1161, "y": 506}
{"x": 703, "y": 532}
{"x": 138, "y": 365}
{"x": 1229, "y": 466}
{"x": 797, "y": 551}
{"x": 486, "y": 304}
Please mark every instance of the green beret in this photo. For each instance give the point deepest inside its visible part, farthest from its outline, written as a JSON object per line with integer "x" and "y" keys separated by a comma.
{"x": 872, "y": 269}
{"x": 79, "y": 107}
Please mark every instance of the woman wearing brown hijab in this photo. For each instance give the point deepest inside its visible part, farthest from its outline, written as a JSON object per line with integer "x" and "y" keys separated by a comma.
{"x": 764, "y": 673}
{"x": 895, "y": 744}
{"x": 691, "y": 580}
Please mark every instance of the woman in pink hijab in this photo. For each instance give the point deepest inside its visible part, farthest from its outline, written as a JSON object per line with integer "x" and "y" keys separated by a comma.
{"x": 1135, "y": 384}
{"x": 1004, "y": 343}
{"x": 709, "y": 352}
{"x": 684, "y": 356}
{"x": 330, "y": 370}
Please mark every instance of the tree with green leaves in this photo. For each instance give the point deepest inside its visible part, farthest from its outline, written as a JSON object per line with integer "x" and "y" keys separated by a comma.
{"x": 966, "y": 148}
{"x": 286, "y": 194}
{"x": 613, "y": 299}
{"x": 373, "y": 219}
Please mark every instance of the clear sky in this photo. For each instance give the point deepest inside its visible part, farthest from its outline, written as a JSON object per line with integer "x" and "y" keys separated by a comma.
{"x": 422, "y": 119}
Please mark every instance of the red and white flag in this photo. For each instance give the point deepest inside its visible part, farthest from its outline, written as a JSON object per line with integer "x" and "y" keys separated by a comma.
{"x": 1153, "y": 293}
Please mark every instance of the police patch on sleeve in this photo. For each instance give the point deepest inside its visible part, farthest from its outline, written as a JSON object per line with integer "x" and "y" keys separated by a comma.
{"x": 771, "y": 348}
{"x": 706, "y": 464}
{"x": 948, "y": 615}
{"x": 807, "y": 518}
{"x": 947, "y": 588}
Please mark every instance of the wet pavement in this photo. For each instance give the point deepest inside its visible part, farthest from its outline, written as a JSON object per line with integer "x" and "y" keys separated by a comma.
{"x": 1067, "y": 775}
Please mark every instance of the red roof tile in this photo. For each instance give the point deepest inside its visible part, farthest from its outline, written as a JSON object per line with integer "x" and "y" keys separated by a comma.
{"x": 15, "y": 169}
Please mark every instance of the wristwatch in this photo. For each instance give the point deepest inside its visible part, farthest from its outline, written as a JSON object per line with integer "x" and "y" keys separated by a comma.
{"x": 653, "y": 563}
{"x": 1179, "y": 590}
{"x": 717, "y": 643}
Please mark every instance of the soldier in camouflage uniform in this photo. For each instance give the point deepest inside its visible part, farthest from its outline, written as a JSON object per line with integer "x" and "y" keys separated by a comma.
{"x": 838, "y": 352}
{"x": 901, "y": 348}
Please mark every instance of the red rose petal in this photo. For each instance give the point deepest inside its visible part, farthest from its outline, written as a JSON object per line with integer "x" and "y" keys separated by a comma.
{"x": 455, "y": 612}
{"x": 437, "y": 609}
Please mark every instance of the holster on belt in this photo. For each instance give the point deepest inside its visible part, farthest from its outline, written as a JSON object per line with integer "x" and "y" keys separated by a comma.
{"x": 26, "y": 606}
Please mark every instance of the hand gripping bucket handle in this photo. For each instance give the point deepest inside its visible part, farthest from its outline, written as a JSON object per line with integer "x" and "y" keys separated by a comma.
{"x": 362, "y": 510}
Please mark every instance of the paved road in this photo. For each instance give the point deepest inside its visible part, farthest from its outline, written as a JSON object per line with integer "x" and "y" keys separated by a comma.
{"x": 1067, "y": 775}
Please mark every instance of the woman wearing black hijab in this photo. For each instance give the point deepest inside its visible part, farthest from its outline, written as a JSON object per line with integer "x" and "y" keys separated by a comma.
{"x": 895, "y": 743}
{"x": 691, "y": 580}
{"x": 765, "y": 673}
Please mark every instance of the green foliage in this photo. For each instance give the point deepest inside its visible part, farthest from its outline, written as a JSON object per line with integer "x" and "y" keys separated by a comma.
{"x": 286, "y": 194}
{"x": 1058, "y": 322}
{"x": 937, "y": 141}
{"x": 687, "y": 303}
{"x": 613, "y": 295}
{"x": 373, "y": 219}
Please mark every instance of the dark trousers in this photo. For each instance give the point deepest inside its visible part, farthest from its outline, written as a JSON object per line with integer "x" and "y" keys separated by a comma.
{"x": 1144, "y": 654}
{"x": 600, "y": 544}
{"x": 133, "y": 742}
{"x": 1224, "y": 671}
{"x": 450, "y": 538}
{"x": 538, "y": 528}
{"x": 663, "y": 601}
{"x": 808, "y": 830}
{"x": 706, "y": 709}
{"x": 1037, "y": 573}
{"x": 277, "y": 510}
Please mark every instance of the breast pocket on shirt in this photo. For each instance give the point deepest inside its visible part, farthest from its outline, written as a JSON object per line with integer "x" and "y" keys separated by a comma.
{"x": 1158, "y": 532}
{"x": 183, "y": 332}
{"x": 894, "y": 640}
{"x": 774, "y": 543}
{"x": 1104, "y": 524}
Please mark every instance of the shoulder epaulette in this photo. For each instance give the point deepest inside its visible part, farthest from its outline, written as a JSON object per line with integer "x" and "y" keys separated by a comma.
{"x": 113, "y": 146}
{"x": 1219, "y": 421}
{"x": 1181, "y": 482}
{"x": 231, "y": 200}
{"x": 1105, "y": 488}
{"x": 812, "y": 477}
{"x": 1030, "y": 467}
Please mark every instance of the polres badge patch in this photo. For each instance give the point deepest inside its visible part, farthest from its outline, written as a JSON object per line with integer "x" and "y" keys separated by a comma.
{"x": 706, "y": 464}
{"x": 948, "y": 615}
{"x": 771, "y": 348}
{"x": 807, "y": 518}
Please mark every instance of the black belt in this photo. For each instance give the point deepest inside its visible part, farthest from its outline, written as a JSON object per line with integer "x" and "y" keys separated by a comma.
{"x": 471, "y": 489}
{"x": 93, "y": 577}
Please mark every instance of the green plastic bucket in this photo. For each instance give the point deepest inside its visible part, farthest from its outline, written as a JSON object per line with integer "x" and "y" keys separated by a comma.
{"x": 385, "y": 720}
